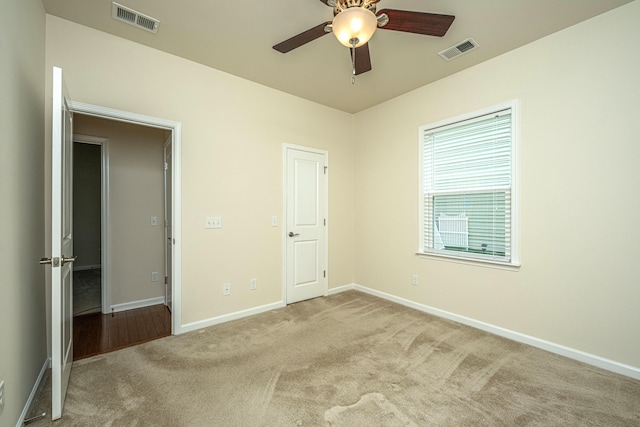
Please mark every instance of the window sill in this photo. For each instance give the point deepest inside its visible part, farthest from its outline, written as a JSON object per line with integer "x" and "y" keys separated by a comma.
{"x": 509, "y": 266}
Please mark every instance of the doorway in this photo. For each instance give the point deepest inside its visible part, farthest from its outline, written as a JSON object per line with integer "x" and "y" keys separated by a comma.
{"x": 174, "y": 131}
{"x": 87, "y": 226}
{"x": 132, "y": 254}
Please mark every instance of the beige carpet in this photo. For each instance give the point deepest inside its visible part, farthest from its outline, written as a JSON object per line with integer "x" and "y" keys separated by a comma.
{"x": 346, "y": 360}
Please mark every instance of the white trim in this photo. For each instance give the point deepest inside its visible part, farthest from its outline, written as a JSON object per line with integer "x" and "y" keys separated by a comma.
{"x": 571, "y": 353}
{"x": 120, "y": 115}
{"x": 34, "y": 390}
{"x": 343, "y": 288}
{"x": 176, "y": 134}
{"x": 470, "y": 261}
{"x": 176, "y": 259}
{"x": 105, "y": 220}
{"x": 137, "y": 304}
{"x": 231, "y": 316}
{"x": 325, "y": 153}
{"x": 168, "y": 253}
{"x": 89, "y": 139}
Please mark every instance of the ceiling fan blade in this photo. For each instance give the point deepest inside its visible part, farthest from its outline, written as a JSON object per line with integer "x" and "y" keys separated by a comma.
{"x": 429, "y": 24}
{"x": 363, "y": 60}
{"x": 302, "y": 38}
{"x": 327, "y": 3}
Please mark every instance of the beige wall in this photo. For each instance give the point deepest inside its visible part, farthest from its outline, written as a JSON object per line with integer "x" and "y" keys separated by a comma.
{"x": 22, "y": 298}
{"x": 232, "y": 136}
{"x": 579, "y": 284}
{"x": 136, "y": 193}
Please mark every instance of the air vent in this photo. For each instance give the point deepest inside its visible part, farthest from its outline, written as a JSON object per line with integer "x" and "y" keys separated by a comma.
{"x": 134, "y": 18}
{"x": 463, "y": 47}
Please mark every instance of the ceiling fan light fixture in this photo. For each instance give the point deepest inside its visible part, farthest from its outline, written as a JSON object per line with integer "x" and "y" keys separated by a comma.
{"x": 354, "y": 26}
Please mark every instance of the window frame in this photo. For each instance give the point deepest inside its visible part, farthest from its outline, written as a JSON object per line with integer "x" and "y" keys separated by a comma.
{"x": 463, "y": 257}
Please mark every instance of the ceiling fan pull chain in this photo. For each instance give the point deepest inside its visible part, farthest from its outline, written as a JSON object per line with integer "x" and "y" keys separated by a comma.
{"x": 353, "y": 62}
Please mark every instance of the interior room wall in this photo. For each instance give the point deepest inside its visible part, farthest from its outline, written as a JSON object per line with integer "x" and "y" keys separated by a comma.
{"x": 87, "y": 208}
{"x": 136, "y": 193}
{"x": 22, "y": 293}
{"x": 578, "y": 215}
{"x": 233, "y": 132}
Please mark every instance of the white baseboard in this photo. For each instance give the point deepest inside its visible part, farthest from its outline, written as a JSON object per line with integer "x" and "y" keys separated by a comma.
{"x": 34, "y": 390}
{"x": 229, "y": 317}
{"x": 351, "y": 287}
{"x": 591, "y": 359}
{"x": 137, "y": 304}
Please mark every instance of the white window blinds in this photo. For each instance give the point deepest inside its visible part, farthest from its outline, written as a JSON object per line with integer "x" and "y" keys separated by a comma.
{"x": 467, "y": 185}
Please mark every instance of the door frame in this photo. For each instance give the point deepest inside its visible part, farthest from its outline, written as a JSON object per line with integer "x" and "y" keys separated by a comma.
{"x": 168, "y": 255}
{"x": 285, "y": 149}
{"x": 105, "y": 242}
{"x": 176, "y": 184}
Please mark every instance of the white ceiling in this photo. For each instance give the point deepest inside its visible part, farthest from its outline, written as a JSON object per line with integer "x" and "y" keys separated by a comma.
{"x": 237, "y": 37}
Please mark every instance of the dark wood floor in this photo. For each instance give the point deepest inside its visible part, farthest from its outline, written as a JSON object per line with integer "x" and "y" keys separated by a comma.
{"x": 99, "y": 333}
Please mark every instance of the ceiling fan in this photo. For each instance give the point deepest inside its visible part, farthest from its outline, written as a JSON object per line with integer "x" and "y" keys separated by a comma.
{"x": 355, "y": 21}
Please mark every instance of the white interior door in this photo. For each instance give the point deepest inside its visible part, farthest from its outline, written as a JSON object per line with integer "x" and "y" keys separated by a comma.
{"x": 306, "y": 215}
{"x": 168, "y": 203}
{"x": 61, "y": 245}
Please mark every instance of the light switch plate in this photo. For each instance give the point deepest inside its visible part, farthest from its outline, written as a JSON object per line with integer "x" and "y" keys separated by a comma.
{"x": 274, "y": 221}
{"x": 213, "y": 222}
{"x": 153, "y": 221}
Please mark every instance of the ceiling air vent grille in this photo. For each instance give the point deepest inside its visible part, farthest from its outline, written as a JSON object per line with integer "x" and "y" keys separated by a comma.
{"x": 134, "y": 18}
{"x": 463, "y": 47}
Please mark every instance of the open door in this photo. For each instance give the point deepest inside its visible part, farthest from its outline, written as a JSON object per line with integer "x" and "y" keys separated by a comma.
{"x": 61, "y": 245}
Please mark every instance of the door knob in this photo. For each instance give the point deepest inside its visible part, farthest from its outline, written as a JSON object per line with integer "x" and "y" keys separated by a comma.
{"x": 292, "y": 234}
{"x": 64, "y": 260}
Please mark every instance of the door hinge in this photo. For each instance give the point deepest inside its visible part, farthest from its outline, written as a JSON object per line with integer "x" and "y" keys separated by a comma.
{"x": 325, "y": 273}
{"x": 166, "y": 166}
{"x": 325, "y": 169}
{"x": 166, "y": 280}
{"x": 325, "y": 222}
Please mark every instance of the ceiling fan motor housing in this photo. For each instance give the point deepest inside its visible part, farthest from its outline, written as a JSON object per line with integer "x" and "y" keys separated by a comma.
{"x": 341, "y": 5}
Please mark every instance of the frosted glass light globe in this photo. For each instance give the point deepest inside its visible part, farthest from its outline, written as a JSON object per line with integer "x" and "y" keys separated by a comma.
{"x": 354, "y": 25}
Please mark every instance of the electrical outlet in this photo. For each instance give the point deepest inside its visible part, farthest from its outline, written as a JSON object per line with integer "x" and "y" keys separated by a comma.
{"x": 1, "y": 395}
{"x": 154, "y": 276}
{"x": 253, "y": 284}
{"x": 226, "y": 289}
{"x": 414, "y": 280}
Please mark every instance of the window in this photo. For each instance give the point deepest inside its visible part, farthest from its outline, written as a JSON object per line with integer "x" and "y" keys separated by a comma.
{"x": 468, "y": 191}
